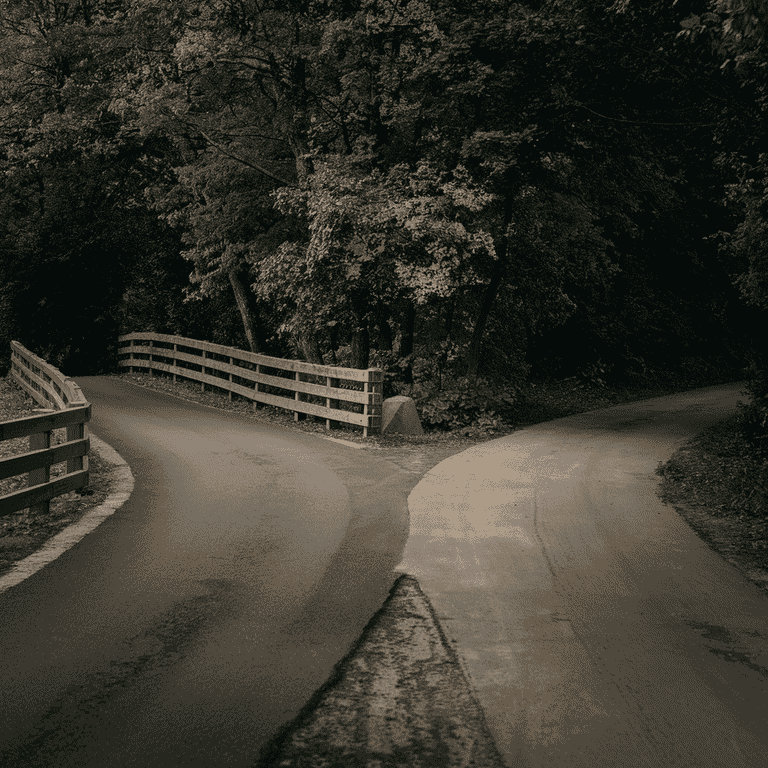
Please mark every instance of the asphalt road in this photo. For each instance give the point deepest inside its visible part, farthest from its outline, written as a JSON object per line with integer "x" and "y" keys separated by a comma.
{"x": 203, "y": 614}
{"x": 596, "y": 628}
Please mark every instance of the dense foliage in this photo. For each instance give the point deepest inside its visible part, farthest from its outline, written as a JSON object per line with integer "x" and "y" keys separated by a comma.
{"x": 465, "y": 193}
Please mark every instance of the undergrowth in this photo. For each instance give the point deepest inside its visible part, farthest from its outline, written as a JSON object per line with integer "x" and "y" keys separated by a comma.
{"x": 720, "y": 472}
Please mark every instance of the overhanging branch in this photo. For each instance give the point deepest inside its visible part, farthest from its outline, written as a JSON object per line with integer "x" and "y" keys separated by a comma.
{"x": 248, "y": 163}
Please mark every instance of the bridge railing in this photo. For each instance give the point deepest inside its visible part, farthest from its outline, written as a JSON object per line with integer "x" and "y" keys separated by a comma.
{"x": 69, "y": 410}
{"x": 347, "y": 395}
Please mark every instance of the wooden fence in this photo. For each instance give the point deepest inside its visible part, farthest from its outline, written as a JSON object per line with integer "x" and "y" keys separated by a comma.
{"x": 335, "y": 394}
{"x": 70, "y": 410}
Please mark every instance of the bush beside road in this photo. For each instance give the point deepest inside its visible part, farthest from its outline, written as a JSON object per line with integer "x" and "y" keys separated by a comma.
{"x": 719, "y": 486}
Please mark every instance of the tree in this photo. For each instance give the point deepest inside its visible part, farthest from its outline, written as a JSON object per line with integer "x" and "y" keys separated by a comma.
{"x": 473, "y": 189}
{"x": 736, "y": 31}
{"x": 72, "y": 181}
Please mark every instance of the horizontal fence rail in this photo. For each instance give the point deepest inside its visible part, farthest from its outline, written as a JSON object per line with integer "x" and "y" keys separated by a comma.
{"x": 347, "y": 395}
{"x": 70, "y": 411}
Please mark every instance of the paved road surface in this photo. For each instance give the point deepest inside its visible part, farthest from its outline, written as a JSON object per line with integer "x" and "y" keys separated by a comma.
{"x": 204, "y": 613}
{"x": 597, "y": 629}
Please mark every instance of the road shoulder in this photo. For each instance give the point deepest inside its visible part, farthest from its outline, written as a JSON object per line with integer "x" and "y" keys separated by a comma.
{"x": 717, "y": 485}
{"x": 28, "y": 543}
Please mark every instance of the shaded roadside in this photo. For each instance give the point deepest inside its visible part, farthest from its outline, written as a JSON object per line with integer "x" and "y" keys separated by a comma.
{"x": 23, "y": 533}
{"x": 719, "y": 486}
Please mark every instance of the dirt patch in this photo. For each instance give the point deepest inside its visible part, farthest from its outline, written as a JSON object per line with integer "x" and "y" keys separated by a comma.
{"x": 720, "y": 488}
{"x": 23, "y": 532}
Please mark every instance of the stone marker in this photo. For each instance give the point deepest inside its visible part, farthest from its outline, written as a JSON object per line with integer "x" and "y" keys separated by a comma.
{"x": 398, "y": 414}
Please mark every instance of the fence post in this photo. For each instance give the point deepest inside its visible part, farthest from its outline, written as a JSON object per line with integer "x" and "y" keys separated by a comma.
{"x": 329, "y": 384}
{"x": 256, "y": 389}
{"x": 41, "y": 474}
{"x": 151, "y": 373}
{"x": 174, "y": 364}
{"x": 230, "y": 379}
{"x": 372, "y": 407}
{"x": 130, "y": 353}
{"x": 77, "y": 432}
{"x": 296, "y": 396}
{"x": 202, "y": 383}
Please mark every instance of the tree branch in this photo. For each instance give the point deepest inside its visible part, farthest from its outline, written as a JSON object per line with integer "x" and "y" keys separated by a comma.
{"x": 638, "y": 122}
{"x": 255, "y": 167}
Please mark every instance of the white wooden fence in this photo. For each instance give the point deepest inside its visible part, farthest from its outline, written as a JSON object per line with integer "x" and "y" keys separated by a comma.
{"x": 335, "y": 394}
{"x": 52, "y": 389}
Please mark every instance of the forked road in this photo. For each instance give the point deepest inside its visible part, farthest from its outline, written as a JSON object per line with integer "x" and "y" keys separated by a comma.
{"x": 597, "y": 629}
{"x": 205, "y": 612}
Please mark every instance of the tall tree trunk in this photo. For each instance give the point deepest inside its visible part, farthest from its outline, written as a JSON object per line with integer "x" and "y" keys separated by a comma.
{"x": 301, "y": 153}
{"x": 247, "y": 312}
{"x": 472, "y": 359}
{"x": 306, "y": 340}
{"x": 406, "y": 340}
{"x": 385, "y": 332}
{"x": 360, "y": 338}
{"x": 333, "y": 334}
{"x": 450, "y": 313}
{"x": 361, "y": 347}
{"x": 476, "y": 343}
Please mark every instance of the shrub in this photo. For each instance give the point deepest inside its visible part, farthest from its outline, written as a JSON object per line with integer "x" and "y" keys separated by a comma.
{"x": 470, "y": 404}
{"x": 753, "y": 416}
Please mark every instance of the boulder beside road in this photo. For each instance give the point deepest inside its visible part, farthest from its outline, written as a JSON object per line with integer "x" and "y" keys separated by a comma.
{"x": 399, "y": 414}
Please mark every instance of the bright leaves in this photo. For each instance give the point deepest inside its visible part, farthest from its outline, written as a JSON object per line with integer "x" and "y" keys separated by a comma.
{"x": 377, "y": 237}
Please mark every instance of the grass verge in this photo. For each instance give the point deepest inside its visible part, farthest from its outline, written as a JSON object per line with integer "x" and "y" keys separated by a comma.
{"x": 720, "y": 488}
